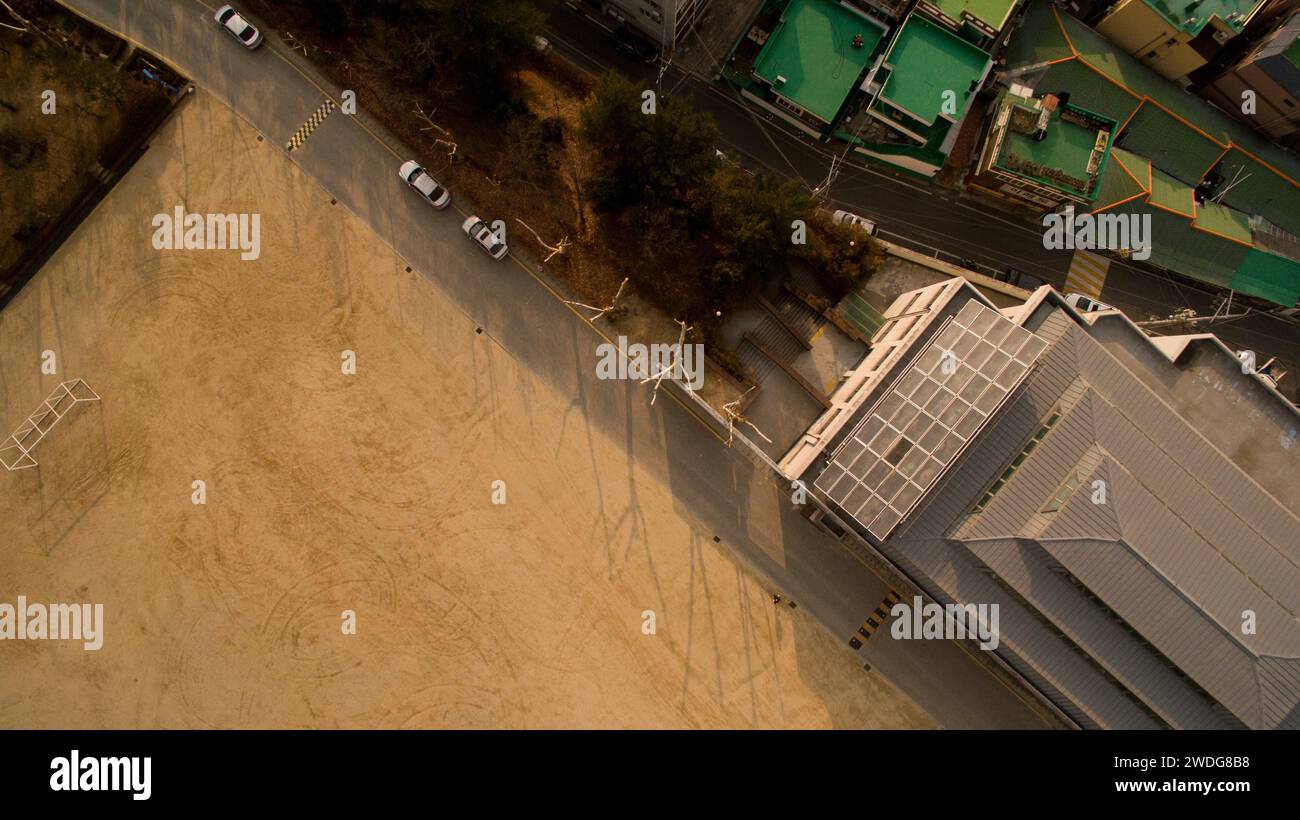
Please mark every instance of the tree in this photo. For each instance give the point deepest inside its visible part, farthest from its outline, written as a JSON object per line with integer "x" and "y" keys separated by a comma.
{"x": 476, "y": 43}
{"x": 652, "y": 160}
{"x": 841, "y": 255}
{"x": 330, "y": 15}
{"x": 484, "y": 39}
{"x": 754, "y": 216}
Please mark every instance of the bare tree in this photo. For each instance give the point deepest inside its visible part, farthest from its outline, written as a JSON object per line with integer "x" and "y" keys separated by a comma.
{"x": 559, "y": 248}
{"x": 430, "y": 125}
{"x": 658, "y": 378}
{"x": 26, "y": 25}
{"x": 600, "y": 311}
{"x": 294, "y": 43}
{"x": 732, "y": 411}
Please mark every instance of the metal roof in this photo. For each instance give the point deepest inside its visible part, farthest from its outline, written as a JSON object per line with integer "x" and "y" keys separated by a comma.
{"x": 919, "y": 426}
{"x": 1150, "y": 581}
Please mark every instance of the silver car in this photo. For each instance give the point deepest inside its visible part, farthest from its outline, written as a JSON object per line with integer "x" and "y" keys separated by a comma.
{"x": 234, "y": 24}
{"x": 484, "y": 237}
{"x": 853, "y": 220}
{"x": 426, "y": 186}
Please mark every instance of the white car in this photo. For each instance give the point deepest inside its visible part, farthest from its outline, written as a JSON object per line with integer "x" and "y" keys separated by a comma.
{"x": 1083, "y": 304}
{"x": 846, "y": 218}
{"x": 426, "y": 186}
{"x": 236, "y": 26}
{"x": 481, "y": 232}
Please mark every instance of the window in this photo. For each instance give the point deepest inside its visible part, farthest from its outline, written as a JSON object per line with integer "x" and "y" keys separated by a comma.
{"x": 1063, "y": 493}
{"x": 1017, "y": 461}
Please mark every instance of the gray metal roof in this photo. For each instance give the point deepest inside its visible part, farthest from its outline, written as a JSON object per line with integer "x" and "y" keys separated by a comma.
{"x": 1138, "y": 593}
{"x": 918, "y": 427}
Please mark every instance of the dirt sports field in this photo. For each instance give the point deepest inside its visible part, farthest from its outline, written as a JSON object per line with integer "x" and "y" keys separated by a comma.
{"x": 328, "y": 492}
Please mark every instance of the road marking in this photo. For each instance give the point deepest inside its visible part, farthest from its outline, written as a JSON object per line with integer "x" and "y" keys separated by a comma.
{"x": 313, "y": 122}
{"x": 1087, "y": 274}
{"x": 874, "y": 620}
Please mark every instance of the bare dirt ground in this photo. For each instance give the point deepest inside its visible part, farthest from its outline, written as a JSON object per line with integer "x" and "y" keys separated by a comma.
{"x": 368, "y": 492}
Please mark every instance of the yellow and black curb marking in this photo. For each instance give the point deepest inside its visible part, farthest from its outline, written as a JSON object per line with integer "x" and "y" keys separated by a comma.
{"x": 874, "y": 620}
{"x": 313, "y": 122}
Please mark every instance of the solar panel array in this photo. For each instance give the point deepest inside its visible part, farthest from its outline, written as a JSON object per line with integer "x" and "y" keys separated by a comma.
{"x": 915, "y": 430}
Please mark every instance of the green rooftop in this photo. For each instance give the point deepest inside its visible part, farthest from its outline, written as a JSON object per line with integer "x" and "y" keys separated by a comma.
{"x": 1216, "y": 247}
{"x": 1192, "y": 17}
{"x": 927, "y": 61}
{"x": 1225, "y": 222}
{"x": 993, "y": 13}
{"x": 1061, "y": 158}
{"x": 812, "y": 49}
{"x": 1181, "y": 134}
{"x": 1172, "y": 195}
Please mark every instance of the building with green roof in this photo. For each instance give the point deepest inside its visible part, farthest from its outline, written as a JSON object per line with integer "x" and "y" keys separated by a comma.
{"x": 1187, "y": 140}
{"x": 984, "y": 16}
{"x": 1043, "y": 152}
{"x": 814, "y": 56}
{"x": 918, "y": 96}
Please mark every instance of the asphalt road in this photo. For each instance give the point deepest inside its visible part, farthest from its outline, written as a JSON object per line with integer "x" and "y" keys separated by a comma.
{"x": 906, "y": 207}
{"x": 715, "y": 485}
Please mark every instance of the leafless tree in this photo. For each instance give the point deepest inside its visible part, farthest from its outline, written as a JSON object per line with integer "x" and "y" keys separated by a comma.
{"x": 600, "y": 311}
{"x": 25, "y": 25}
{"x": 558, "y": 248}
{"x": 294, "y": 43}
{"x": 658, "y": 378}
{"x": 732, "y": 411}
{"x": 430, "y": 125}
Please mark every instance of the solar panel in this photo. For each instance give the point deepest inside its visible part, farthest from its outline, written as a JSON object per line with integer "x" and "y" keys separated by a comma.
{"x": 941, "y": 401}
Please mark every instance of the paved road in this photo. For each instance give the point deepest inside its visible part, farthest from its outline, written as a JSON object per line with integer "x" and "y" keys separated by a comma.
{"x": 907, "y": 207}
{"x": 716, "y": 486}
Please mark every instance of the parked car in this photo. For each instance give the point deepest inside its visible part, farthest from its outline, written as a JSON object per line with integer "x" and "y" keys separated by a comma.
{"x": 853, "y": 220}
{"x": 634, "y": 45}
{"x": 541, "y": 44}
{"x": 234, "y": 24}
{"x": 482, "y": 233}
{"x": 426, "y": 186}
{"x": 1020, "y": 279}
{"x": 1083, "y": 304}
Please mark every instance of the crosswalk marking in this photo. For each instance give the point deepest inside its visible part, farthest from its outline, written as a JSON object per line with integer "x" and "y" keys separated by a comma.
{"x": 1087, "y": 274}
{"x": 313, "y": 122}
{"x": 874, "y": 620}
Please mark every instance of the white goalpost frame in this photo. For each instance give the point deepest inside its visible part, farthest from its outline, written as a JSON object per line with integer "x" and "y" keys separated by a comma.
{"x": 16, "y": 452}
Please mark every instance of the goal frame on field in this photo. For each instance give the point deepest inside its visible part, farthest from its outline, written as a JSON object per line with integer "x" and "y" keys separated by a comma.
{"x": 16, "y": 452}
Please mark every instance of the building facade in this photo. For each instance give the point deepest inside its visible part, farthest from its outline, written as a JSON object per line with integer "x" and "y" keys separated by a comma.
{"x": 1175, "y": 39}
{"x": 664, "y": 22}
{"x": 1270, "y": 74}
